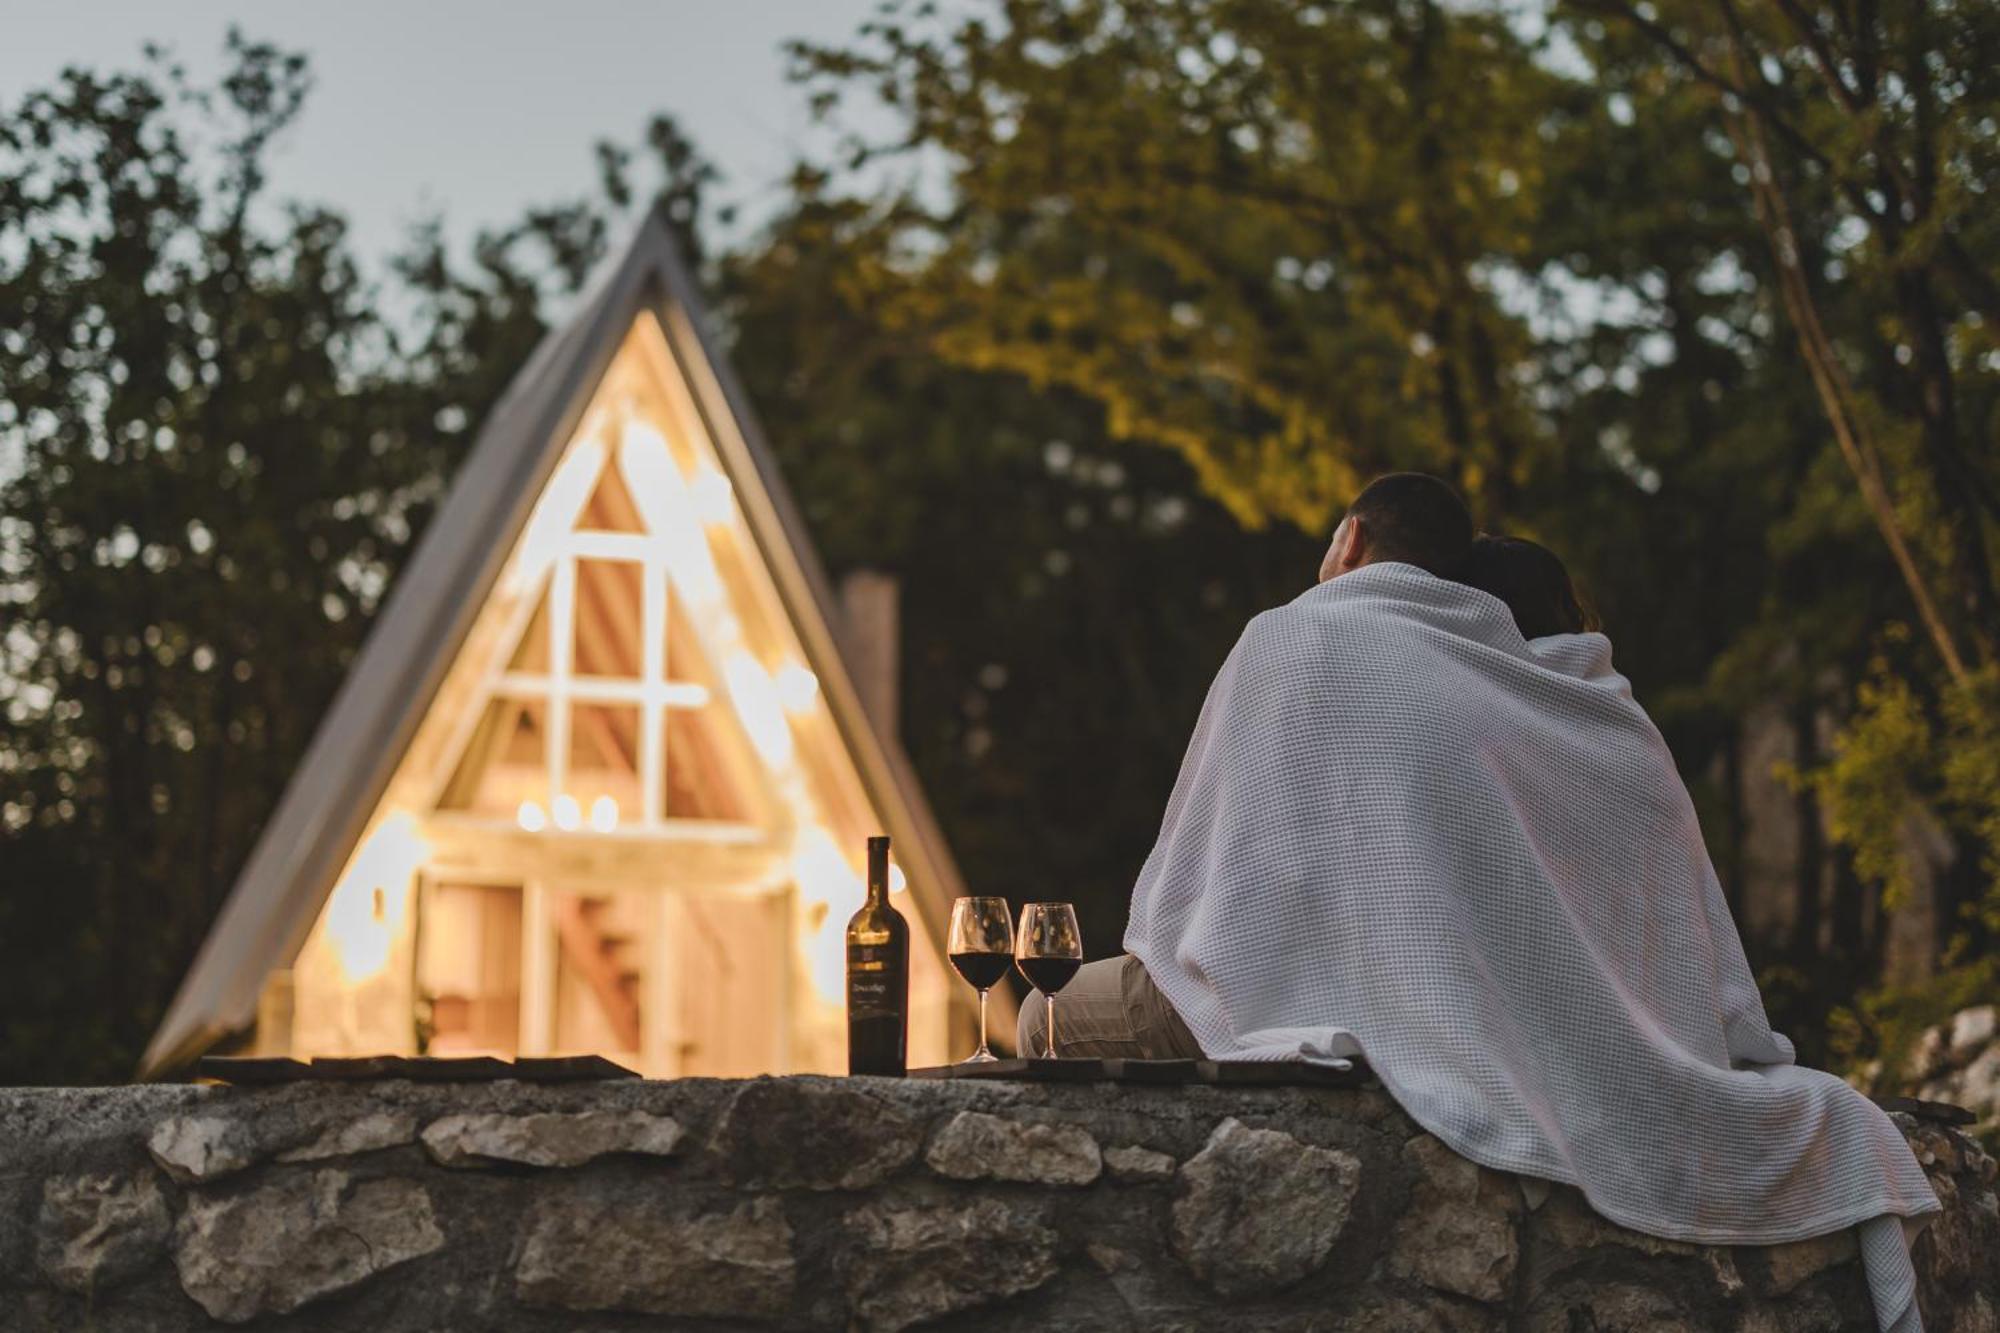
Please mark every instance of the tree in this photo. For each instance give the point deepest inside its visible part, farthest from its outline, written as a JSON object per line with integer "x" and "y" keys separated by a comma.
{"x": 216, "y": 457}
{"x": 1267, "y": 236}
{"x": 1888, "y": 113}
{"x": 1863, "y": 137}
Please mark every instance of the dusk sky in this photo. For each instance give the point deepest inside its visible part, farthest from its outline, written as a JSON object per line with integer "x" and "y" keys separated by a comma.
{"x": 475, "y": 109}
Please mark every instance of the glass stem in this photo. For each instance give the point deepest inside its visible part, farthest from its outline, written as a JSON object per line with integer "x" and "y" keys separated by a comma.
{"x": 1052, "y": 1027}
{"x": 982, "y": 1026}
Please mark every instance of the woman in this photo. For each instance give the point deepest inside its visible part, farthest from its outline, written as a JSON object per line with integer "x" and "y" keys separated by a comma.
{"x": 1532, "y": 581}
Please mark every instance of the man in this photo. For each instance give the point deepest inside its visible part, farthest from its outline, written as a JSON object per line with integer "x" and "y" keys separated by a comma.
{"x": 1403, "y": 832}
{"x": 1111, "y": 1007}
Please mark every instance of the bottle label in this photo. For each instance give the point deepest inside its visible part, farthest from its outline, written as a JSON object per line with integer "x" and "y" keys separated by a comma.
{"x": 875, "y": 986}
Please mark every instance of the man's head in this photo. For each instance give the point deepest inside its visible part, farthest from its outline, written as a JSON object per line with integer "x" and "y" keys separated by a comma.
{"x": 1405, "y": 516}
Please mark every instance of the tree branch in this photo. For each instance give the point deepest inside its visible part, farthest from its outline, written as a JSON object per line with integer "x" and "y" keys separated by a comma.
{"x": 1836, "y": 395}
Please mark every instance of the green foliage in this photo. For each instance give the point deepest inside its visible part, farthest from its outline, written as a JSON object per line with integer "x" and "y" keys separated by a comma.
{"x": 1523, "y": 247}
{"x": 1893, "y": 764}
{"x": 185, "y": 427}
{"x": 1970, "y": 766}
{"x": 1876, "y": 780}
{"x": 214, "y": 456}
{"x": 1263, "y": 235}
{"x": 1877, "y": 1035}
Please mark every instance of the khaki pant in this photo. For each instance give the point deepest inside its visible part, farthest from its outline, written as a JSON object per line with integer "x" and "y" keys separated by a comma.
{"x": 1109, "y": 1009}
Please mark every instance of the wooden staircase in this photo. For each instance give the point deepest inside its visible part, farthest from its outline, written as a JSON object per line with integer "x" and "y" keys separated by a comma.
{"x": 604, "y": 959}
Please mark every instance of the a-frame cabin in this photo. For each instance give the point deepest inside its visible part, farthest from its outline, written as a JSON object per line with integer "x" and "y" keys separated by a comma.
{"x": 600, "y": 778}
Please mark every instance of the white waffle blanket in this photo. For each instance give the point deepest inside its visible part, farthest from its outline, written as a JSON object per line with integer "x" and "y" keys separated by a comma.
{"x": 1401, "y": 831}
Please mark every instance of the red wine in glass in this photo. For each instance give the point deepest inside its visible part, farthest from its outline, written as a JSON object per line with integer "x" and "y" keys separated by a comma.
{"x": 980, "y": 944}
{"x": 1048, "y": 949}
{"x": 1049, "y": 975}
{"x": 982, "y": 971}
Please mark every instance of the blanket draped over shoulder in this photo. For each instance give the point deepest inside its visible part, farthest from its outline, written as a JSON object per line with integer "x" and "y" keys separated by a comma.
{"x": 1403, "y": 832}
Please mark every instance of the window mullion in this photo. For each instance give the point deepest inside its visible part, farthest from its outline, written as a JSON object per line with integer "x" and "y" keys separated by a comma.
{"x": 562, "y": 633}
{"x": 653, "y": 670}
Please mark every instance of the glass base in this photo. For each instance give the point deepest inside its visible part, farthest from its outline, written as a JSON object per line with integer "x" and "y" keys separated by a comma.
{"x": 979, "y": 1058}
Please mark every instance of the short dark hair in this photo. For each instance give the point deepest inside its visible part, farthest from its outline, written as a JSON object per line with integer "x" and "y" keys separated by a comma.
{"x": 1534, "y": 583}
{"x": 1416, "y": 519}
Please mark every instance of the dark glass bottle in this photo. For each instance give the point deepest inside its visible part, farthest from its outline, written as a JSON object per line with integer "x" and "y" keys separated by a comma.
{"x": 878, "y": 976}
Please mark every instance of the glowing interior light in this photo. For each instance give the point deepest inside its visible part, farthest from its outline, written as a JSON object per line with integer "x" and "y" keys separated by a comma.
{"x": 604, "y": 814}
{"x": 555, "y": 512}
{"x": 898, "y": 881}
{"x": 569, "y": 816}
{"x": 710, "y": 491}
{"x": 662, "y": 496}
{"x": 532, "y": 817}
{"x": 826, "y": 880}
{"x": 797, "y": 687}
{"x": 365, "y": 912}
{"x": 755, "y": 696}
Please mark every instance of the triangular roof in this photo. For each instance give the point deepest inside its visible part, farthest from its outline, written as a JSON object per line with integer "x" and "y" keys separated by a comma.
{"x": 435, "y": 601}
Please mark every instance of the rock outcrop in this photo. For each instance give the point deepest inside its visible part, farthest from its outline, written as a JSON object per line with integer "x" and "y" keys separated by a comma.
{"x": 1959, "y": 1062}
{"x": 812, "y": 1203}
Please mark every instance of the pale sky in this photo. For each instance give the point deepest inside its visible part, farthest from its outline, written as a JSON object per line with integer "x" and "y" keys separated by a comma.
{"x": 475, "y": 107}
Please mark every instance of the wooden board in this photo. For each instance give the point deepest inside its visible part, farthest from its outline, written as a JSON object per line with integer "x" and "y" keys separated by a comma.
{"x": 346, "y": 1068}
{"x": 1032, "y": 1071}
{"x": 1154, "y": 1071}
{"x": 1236, "y": 1073}
{"x": 566, "y": 1068}
{"x": 1280, "y": 1073}
{"x": 252, "y": 1069}
{"x": 457, "y": 1069}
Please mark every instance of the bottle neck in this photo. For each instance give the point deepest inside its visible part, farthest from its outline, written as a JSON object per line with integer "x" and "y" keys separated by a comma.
{"x": 878, "y": 872}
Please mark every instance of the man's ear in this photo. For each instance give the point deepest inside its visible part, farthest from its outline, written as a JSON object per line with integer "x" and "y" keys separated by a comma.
{"x": 1355, "y": 550}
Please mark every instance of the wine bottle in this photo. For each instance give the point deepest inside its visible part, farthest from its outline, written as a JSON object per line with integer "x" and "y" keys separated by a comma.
{"x": 878, "y": 976}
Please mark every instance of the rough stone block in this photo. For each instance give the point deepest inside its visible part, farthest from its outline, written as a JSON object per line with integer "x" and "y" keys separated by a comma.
{"x": 96, "y": 1231}
{"x": 916, "y": 1263}
{"x": 1461, "y": 1231}
{"x": 813, "y": 1133}
{"x": 549, "y": 1139}
{"x": 1813, "y": 1313}
{"x": 20, "y": 1194}
{"x": 1977, "y": 1315}
{"x": 1136, "y": 1164}
{"x": 638, "y": 1252}
{"x": 202, "y": 1147}
{"x": 1782, "y": 1268}
{"x": 367, "y": 1133}
{"x": 1614, "y": 1307}
{"x": 1958, "y": 1245}
{"x": 1570, "y": 1221}
{"x": 975, "y": 1146}
{"x": 300, "y": 1237}
{"x": 1260, "y": 1209}
{"x": 1397, "y": 1314}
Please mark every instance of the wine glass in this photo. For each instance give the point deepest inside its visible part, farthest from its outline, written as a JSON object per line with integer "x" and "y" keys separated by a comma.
{"x": 1048, "y": 950}
{"x": 981, "y": 944}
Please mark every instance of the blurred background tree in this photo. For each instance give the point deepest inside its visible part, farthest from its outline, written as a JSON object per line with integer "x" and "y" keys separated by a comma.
{"x": 217, "y": 456}
{"x": 1704, "y": 304}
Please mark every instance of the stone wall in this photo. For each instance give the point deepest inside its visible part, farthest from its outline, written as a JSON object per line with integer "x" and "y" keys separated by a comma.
{"x": 811, "y": 1203}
